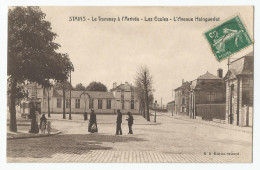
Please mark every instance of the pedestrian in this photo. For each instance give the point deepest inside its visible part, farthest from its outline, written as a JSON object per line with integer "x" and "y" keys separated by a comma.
{"x": 118, "y": 123}
{"x": 49, "y": 127}
{"x": 43, "y": 122}
{"x": 85, "y": 115}
{"x": 92, "y": 127}
{"x": 34, "y": 124}
{"x": 130, "y": 120}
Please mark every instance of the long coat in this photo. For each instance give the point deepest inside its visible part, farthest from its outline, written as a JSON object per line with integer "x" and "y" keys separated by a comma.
{"x": 119, "y": 118}
{"x": 43, "y": 122}
{"x": 92, "y": 120}
{"x": 130, "y": 120}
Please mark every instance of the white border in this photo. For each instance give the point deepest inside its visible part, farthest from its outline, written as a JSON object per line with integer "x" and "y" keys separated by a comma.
{"x": 3, "y": 67}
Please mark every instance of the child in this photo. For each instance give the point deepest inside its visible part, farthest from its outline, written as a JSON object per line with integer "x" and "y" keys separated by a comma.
{"x": 49, "y": 126}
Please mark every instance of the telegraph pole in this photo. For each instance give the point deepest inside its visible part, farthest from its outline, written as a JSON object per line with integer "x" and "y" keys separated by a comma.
{"x": 155, "y": 111}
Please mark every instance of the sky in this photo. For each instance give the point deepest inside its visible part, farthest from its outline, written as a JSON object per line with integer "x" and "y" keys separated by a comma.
{"x": 109, "y": 52}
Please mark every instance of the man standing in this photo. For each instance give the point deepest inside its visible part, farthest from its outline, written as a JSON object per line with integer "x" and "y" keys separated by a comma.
{"x": 118, "y": 123}
{"x": 130, "y": 120}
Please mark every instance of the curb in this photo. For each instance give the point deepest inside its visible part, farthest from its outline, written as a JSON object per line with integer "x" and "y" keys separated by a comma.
{"x": 216, "y": 125}
{"x": 33, "y": 136}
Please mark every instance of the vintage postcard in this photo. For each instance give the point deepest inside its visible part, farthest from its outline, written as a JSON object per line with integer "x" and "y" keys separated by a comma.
{"x": 130, "y": 84}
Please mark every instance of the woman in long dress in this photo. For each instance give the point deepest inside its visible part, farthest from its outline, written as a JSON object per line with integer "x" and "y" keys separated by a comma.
{"x": 43, "y": 122}
{"x": 92, "y": 127}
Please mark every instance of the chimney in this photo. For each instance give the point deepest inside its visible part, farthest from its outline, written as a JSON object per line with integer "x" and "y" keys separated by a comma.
{"x": 127, "y": 85}
{"x": 182, "y": 81}
{"x": 114, "y": 85}
{"x": 220, "y": 73}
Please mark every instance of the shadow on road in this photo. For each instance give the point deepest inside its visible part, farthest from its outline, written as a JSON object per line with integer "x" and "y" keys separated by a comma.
{"x": 63, "y": 144}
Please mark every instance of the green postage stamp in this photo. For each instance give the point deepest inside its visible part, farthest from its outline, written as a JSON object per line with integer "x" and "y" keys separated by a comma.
{"x": 228, "y": 38}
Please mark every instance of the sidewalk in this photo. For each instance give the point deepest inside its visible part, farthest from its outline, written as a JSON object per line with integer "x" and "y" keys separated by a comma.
{"x": 23, "y": 127}
{"x": 210, "y": 123}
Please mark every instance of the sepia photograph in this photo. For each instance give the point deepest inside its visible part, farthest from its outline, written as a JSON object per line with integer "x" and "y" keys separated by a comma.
{"x": 150, "y": 84}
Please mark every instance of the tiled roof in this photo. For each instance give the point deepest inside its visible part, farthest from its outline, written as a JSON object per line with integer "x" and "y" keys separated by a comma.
{"x": 123, "y": 87}
{"x": 241, "y": 66}
{"x": 172, "y": 102}
{"x": 92, "y": 94}
{"x": 208, "y": 76}
{"x": 184, "y": 86}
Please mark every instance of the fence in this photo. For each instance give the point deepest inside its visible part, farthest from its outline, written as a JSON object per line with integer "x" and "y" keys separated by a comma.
{"x": 210, "y": 111}
{"x": 246, "y": 117}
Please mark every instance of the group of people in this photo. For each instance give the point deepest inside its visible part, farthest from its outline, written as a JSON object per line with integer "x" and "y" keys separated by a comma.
{"x": 44, "y": 124}
{"x": 92, "y": 127}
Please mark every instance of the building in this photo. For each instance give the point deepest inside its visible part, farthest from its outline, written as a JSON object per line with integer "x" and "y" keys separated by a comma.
{"x": 125, "y": 98}
{"x": 207, "y": 97}
{"x": 239, "y": 91}
{"x": 171, "y": 106}
{"x": 83, "y": 101}
{"x": 182, "y": 98}
{"x": 121, "y": 97}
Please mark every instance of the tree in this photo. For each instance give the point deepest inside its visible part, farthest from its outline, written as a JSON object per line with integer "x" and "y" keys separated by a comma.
{"x": 32, "y": 55}
{"x": 143, "y": 83}
{"x": 80, "y": 87}
{"x": 64, "y": 86}
{"x": 96, "y": 86}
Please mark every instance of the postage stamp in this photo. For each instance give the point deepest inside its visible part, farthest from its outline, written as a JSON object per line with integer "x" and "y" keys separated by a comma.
{"x": 228, "y": 38}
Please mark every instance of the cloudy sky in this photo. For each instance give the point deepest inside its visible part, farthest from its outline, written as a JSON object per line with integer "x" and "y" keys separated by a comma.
{"x": 112, "y": 51}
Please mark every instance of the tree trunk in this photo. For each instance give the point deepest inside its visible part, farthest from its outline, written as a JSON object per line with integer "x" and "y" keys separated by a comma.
{"x": 63, "y": 91}
{"x": 49, "y": 113}
{"x": 12, "y": 110}
{"x": 146, "y": 102}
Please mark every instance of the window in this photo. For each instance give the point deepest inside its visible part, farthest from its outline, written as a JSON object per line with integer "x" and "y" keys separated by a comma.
{"x": 77, "y": 104}
{"x": 58, "y": 102}
{"x": 182, "y": 92}
{"x": 183, "y": 101}
{"x": 132, "y": 104}
{"x": 122, "y": 94}
{"x": 132, "y": 94}
{"x": 91, "y": 103}
{"x": 44, "y": 102}
{"x": 123, "y": 104}
{"x": 108, "y": 104}
{"x": 211, "y": 97}
{"x": 183, "y": 109}
{"x": 67, "y": 103}
{"x": 99, "y": 104}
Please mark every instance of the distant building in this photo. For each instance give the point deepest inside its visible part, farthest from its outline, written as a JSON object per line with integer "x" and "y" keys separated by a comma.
{"x": 207, "y": 97}
{"x": 121, "y": 97}
{"x": 171, "y": 106}
{"x": 101, "y": 102}
{"x": 182, "y": 98}
{"x": 239, "y": 91}
{"x": 125, "y": 98}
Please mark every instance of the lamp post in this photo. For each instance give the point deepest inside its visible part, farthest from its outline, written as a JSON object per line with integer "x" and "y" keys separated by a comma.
{"x": 85, "y": 100}
{"x": 155, "y": 111}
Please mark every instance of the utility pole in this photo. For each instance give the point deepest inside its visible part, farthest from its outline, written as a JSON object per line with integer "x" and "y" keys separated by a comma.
{"x": 49, "y": 113}
{"x": 155, "y": 111}
{"x": 70, "y": 96}
{"x": 161, "y": 103}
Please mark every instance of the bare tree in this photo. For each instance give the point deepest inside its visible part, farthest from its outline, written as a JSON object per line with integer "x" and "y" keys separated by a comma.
{"x": 143, "y": 83}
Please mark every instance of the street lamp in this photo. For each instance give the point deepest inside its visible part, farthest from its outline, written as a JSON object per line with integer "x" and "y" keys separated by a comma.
{"x": 155, "y": 111}
{"x": 85, "y": 99}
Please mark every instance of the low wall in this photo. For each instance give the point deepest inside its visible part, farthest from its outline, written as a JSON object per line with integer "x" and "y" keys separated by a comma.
{"x": 211, "y": 111}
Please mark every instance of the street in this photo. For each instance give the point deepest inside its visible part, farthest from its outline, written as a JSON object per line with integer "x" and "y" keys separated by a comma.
{"x": 168, "y": 140}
